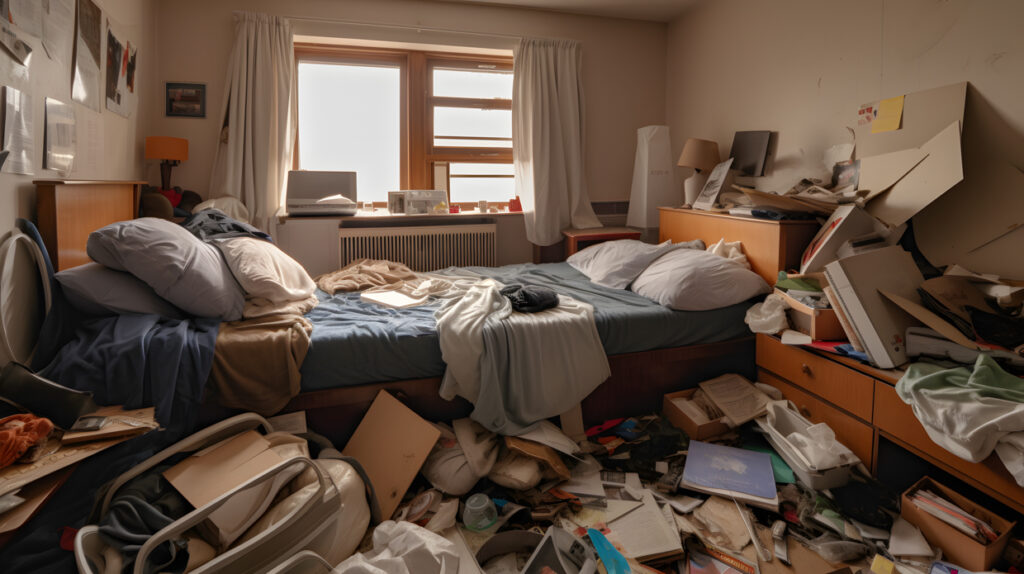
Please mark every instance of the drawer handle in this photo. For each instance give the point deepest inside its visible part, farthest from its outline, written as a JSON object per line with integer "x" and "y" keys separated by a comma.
{"x": 806, "y": 412}
{"x": 806, "y": 369}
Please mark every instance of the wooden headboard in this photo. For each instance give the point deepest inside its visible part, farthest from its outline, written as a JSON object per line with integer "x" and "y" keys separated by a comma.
{"x": 770, "y": 246}
{"x": 67, "y": 211}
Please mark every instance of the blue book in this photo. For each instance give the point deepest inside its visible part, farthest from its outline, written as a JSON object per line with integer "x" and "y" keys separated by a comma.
{"x": 730, "y": 472}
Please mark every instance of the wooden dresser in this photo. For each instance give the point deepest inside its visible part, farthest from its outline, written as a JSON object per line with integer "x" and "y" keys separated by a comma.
{"x": 860, "y": 403}
{"x": 69, "y": 210}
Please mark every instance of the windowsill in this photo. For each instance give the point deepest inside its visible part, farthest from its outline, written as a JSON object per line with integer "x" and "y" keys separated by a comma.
{"x": 384, "y": 215}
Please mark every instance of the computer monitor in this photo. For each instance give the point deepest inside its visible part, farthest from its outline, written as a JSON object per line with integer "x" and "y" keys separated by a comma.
{"x": 750, "y": 152}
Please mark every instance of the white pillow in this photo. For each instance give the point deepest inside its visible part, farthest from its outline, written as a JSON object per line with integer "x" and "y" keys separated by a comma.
{"x": 98, "y": 290}
{"x": 263, "y": 270}
{"x": 176, "y": 264}
{"x": 731, "y": 250}
{"x": 691, "y": 280}
{"x": 616, "y": 264}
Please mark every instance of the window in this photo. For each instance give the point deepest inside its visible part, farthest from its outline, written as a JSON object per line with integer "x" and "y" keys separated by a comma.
{"x": 407, "y": 120}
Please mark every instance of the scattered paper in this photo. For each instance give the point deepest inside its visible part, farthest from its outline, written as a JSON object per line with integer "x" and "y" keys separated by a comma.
{"x": 122, "y": 59}
{"x": 890, "y": 114}
{"x": 18, "y": 139}
{"x": 907, "y": 540}
{"x": 644, "y": 533}
{"x": 59, "y": 30}
{"x": 548, "y": 434}
{"x": 586, "y": 479}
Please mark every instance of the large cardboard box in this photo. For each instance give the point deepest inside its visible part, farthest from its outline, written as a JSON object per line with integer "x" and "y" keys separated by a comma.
{"x": 958, "y": 547}
{"x": 679, "y": 419}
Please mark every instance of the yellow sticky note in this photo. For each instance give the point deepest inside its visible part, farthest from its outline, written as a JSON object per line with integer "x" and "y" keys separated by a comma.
{"x": 881, "y": 565}
{"x": 890, "y": 112}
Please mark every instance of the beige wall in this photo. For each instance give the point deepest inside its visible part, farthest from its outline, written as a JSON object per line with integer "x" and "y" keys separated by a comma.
{"x": 624, "y": 63}
{"x": 802, "y": 68}
{"x": 120, "y": 155}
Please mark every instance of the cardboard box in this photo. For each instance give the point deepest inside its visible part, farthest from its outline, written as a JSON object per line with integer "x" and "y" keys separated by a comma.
{"x": 693, "y": 429}
{"x": 820, "y": 324}
{"x": 957, "y": 547}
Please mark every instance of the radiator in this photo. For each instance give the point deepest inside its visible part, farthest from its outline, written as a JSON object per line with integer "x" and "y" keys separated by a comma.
{"x": 424, "y": 248}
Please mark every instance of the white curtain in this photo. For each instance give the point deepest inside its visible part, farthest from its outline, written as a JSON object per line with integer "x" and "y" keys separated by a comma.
{"x": 254, "y": 154}
{"x": 547, "y": 135}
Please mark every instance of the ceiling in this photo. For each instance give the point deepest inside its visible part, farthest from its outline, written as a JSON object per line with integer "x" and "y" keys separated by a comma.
{"x": 653, "y": 10}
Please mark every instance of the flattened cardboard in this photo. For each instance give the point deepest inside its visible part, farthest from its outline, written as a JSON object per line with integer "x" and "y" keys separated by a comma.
{"x": 880, "y": 172}
{"x": 925, "y": 114}
{"x": 935, "y": 175}
{"x": 18, "y": 475}
{"x": 137, "y": 422}
{"x": 930, "y": 319}
{"x": 35, "y": 495}
{"x": 543, "y": 453}
{"x": 956, "y": 294}
{"x": 391, "y": 443}
{"x": 845, "y": 223}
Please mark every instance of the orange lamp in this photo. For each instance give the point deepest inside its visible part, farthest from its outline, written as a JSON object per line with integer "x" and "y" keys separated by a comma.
{"x": 170, "y": 151}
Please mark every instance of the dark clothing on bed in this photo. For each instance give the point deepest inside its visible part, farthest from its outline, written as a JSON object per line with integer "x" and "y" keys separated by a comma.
{"x": 530, "y": 298}
{"x": 213, "y": 224}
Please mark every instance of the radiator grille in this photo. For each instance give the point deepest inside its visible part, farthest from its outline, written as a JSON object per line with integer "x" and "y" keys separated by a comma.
{"x": 425, "y": 248}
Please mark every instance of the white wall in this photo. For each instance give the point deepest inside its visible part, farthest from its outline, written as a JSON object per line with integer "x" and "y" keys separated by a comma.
{"x": 121, "y": 153}
{"x": 624, "y": 63}
{"x": 802, "y": 68}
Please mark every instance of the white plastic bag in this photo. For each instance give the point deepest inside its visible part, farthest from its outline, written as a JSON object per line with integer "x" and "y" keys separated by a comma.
{"x": 768, "y": 317}
{"x": 404, "y": 548}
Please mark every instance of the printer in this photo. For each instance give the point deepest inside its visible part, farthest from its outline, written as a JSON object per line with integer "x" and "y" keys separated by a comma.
{"x": 321, "y": 193}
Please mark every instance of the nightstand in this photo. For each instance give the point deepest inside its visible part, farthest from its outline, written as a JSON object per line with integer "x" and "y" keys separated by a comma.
{"x": 576, "y": 239}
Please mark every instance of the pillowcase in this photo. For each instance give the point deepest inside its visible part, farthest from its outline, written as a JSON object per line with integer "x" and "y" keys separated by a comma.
{"x": 732, "y": 250}
{"x": 97, "y": 290}
{"x": 617, "y": 263}
{"x": 178, "y": 266}
{"x": 692, "y": 280}
{"x": 263, "y": 270}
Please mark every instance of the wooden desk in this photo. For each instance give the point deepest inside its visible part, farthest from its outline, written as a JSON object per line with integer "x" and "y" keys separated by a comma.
{"x": 69, "y": 210}
{"x": 860, "y": 403}
{"x": 769, "y": 245}
{"x": 576, "y": 239}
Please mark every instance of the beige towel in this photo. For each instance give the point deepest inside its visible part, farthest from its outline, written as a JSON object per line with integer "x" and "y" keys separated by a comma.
{"x": 363, "y": 274}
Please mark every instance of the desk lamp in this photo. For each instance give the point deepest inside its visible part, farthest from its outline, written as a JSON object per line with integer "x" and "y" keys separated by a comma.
{"x": 170, "y": 151}
{"x": 702, "y": 156}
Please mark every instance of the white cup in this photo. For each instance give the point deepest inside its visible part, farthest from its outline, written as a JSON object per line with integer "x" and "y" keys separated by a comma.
{"x": 482, "y": 205}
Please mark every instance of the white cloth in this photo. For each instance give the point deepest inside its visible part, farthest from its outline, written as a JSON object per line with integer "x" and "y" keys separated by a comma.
{"x": 547, "y": 135}
{"x": 252, "y": 161}
{"x": 518, "y": 368}
{"x": 404, "y": 548}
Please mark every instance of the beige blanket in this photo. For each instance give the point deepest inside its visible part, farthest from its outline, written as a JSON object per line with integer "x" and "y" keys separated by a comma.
{"x": 363, "y": 274}
{"x": 256, "y": 362}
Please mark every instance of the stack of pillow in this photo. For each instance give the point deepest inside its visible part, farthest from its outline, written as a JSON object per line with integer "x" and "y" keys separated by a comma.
{"x": 681, "y": 276}
{"x": 154, "y": 266}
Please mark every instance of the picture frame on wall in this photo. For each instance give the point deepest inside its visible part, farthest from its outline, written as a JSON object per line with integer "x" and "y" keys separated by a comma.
{"x": 186, "y": 100}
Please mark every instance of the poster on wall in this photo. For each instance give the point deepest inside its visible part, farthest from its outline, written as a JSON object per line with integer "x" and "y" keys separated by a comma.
{"x": 27, "y": 15}
{"x": 14, "y": 45}
{"x": 122, "y": 57}
{"x": 59, "y": 30}
{"x": 85, "y": 88}
{"x": 18, "y": 131}
{"x": 59, "y": 137}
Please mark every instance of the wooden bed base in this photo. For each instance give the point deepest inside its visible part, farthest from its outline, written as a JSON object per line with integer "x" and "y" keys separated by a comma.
{"x": 636, "y": 387}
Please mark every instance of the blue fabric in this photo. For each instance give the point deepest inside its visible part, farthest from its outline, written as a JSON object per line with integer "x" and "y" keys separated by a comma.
{"x": 356, "y": 343}
{"x": 140, "y": 361}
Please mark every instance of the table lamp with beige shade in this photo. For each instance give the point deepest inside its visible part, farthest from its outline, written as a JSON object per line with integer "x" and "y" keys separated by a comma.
{"x": 702, "y": 156}
{"x": 170, "y": 151}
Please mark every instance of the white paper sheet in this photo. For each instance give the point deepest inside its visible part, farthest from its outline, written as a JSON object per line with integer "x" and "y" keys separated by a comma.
{"x": 14, "y": 45}
{"x": 86, "y": 86}
{"x": 59, "y": 138}
{"x": 28, "y": 15}
{"x": 59, "y": 30}
{"x": 645, "y": 531}
{"x": 548, "y": 434}
{"x": 18, "y": 124}
{"x": 907, "y": 540}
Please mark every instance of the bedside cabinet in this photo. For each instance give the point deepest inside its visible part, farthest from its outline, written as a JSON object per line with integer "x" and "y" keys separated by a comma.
{"x": 860, "y": 403}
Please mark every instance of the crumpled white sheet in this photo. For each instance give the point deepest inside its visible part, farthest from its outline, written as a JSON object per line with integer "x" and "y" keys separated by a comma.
{"x": 404, "y": 548}
{"x": 768, "y": 317}
{"x": 518, "y": 368}
{"x": 732, "y": 250}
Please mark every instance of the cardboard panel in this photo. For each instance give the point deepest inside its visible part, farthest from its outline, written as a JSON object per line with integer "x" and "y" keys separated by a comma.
{"x": 924, "y": 115}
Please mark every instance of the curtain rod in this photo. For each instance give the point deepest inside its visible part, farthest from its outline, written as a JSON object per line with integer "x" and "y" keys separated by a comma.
{"x": 401, "y": 27}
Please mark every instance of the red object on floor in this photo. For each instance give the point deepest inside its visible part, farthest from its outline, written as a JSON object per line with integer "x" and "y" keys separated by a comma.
{"x": 67, "y": 538}
{"x": 173, "y": 196}
{"x": 595, "y": 430}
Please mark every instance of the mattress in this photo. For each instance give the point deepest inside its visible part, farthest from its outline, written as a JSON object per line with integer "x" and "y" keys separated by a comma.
{"x": 356, "y": 343}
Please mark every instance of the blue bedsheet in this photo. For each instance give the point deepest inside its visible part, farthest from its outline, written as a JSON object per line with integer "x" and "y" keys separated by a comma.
{"x": 356, "y": 343}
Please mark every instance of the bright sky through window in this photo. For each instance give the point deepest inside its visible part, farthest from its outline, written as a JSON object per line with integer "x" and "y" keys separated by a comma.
{"x": 349, "y": 119}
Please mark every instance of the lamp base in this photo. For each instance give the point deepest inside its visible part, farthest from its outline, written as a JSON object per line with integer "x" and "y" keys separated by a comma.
{"x": 692, "y": 187}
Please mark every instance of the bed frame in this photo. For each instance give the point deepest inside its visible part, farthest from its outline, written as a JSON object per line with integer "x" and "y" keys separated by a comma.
{"x": 638, "y": 381}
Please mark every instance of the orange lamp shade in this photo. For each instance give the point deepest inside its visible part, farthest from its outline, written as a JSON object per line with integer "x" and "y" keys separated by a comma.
{"x": 168, "y": 148}
{"x": 701, "y": 155}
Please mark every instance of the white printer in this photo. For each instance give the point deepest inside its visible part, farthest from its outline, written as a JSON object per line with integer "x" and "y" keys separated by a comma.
{"x": 321, "y": 193}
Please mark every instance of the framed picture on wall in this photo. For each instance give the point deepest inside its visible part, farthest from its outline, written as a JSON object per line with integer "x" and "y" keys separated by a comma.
{"x": 186, "y": 100}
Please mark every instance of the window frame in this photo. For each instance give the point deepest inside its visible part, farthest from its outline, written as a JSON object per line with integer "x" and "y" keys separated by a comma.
{"x": 417, "y": 152}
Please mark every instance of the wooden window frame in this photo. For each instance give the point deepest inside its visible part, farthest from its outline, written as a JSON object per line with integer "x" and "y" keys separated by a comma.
{"x": 417, "y": 102}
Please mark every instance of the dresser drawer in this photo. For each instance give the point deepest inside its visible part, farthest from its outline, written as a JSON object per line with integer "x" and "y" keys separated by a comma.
{"x": 831, "y": 381}
{"x": 896, "y": 419}
{"x": 857, "y": 436}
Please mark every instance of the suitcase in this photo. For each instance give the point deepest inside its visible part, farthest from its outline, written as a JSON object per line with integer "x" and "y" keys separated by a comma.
{"x": 315, "y": 524}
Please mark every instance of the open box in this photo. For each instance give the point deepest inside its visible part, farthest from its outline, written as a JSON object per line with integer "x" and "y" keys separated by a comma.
{"x": 680, "y": 419}
{"x": 820, "y": 324}
{"x": 958, "y": 547}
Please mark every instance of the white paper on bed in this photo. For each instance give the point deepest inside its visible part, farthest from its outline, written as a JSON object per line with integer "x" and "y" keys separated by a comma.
{"x": 518, "y": 368}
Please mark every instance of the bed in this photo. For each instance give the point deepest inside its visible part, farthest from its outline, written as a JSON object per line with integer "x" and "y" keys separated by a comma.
{"x": 356, "y": 350}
